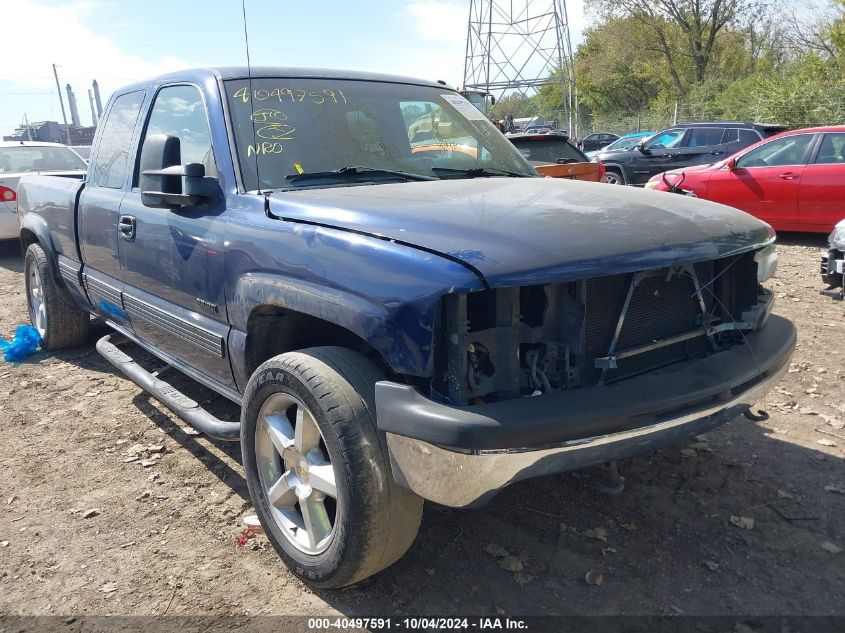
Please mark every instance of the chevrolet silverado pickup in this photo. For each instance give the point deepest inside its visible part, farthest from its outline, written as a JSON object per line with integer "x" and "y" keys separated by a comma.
{"x": 396, "y": 323}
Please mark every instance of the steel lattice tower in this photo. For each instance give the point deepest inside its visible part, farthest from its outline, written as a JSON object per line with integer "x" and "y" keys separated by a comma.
{"x": 517, "y": 45}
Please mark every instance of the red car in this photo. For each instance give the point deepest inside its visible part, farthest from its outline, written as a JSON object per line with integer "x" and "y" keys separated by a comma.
{"x": 795, "y": 181}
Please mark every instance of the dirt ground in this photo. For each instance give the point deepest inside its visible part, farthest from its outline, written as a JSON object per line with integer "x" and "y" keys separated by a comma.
{"x": 86, "y": 529}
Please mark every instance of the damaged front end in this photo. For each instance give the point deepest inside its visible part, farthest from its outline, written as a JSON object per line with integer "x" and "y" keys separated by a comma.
{"x": 547, "y": 378}
{"x": 510, "y": 342}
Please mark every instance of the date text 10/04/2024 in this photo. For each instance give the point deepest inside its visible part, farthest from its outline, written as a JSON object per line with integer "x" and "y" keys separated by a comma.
{"x": 417, "y": 624}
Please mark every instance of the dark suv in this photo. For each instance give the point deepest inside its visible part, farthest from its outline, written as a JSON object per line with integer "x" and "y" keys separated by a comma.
{"x": 682, "y": 145}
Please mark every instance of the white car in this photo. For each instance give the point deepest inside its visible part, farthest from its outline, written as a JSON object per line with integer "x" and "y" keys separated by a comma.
{"x": 27, "y": 157}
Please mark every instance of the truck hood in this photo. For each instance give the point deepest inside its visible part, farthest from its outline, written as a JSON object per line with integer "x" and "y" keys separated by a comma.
{"x": 518, "y": 231}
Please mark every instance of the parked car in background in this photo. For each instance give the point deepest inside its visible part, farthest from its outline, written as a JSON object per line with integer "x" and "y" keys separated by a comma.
{"x": 26, "y": 157}
{"x": 552, "y": 154}
{"x": 538, "y": 129}
{"x": 795, "y": 181}
{"x": 833, "y": 263}
{"x": 595, "y": 142}
{"x": 682, "y": 145}
{"x": 626, "y": 142}
{"x": 83, "y": 150}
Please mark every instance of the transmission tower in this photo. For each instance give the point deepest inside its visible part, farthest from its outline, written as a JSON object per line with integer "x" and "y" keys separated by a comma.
{"x": 521, "y": 45}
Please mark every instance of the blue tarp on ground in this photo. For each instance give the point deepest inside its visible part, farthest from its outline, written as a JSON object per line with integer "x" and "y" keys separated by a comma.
{"x": 25, "y": 344}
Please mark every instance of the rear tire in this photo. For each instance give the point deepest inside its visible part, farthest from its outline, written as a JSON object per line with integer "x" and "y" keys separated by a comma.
{"x": 59, "y": 324}
{"x": 332, "y": 473}
{"x": 614, "y": 177}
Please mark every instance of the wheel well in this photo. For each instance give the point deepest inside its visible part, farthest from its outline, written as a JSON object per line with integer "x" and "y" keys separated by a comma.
{"x": 27, "y": 238}
{"x": 273, "y": 330}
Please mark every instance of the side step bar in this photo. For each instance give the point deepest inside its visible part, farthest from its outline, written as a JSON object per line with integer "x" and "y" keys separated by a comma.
{"x": 176, "y": 401}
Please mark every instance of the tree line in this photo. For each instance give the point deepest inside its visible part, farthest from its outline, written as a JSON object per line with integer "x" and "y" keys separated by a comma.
{"x": 643, "y": 62}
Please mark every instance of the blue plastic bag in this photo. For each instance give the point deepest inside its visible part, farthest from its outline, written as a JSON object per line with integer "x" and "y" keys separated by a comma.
{"x": 26, "y": 342}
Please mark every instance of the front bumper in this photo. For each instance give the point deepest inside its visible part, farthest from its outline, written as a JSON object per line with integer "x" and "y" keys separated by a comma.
{"x": 461, "y": 456}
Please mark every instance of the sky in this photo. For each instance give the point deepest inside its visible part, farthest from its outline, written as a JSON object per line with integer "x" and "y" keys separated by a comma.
{"x": 121, "y": 41}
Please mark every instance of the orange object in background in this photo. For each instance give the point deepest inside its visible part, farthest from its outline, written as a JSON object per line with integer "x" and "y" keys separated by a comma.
{"x": 552, "y": 155}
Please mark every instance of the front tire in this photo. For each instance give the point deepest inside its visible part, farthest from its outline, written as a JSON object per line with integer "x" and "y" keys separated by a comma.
{"x": 317, "y": 467}
{"x": 59, "y": 324}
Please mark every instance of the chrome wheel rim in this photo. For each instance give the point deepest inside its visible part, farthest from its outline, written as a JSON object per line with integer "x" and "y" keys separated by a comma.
{"x": 613, "y": 179}
{"x": 296, "y": 474}
{"x": 35, "y": 296}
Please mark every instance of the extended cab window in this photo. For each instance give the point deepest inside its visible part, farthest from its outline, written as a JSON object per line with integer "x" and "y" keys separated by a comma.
{"x": 179, "y": 111}
{"x": 789, "y": 150}
{"x": 109, "y": 168}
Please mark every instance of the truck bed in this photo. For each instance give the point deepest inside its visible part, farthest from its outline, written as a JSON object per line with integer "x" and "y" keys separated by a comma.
{"x": 54, "y": 199}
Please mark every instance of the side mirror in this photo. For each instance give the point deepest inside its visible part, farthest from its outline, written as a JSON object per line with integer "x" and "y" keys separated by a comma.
{"x": 731, "y": 164}
{"x": 642, "y": 148}
{"x": 164, "y": 182}
{"x": 492, "y": 100}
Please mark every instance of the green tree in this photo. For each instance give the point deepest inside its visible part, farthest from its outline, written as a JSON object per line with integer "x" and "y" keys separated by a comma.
{"x": 699, "y": 21}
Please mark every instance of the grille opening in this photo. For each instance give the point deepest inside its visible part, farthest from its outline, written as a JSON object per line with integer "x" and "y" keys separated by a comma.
{"x": 532, "y": 305}
{"x": 568, "y": 328}
{"x": 481, "y": 310}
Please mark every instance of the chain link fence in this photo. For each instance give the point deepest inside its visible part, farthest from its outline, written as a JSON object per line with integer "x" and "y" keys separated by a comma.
{"x": 790, "y": 109}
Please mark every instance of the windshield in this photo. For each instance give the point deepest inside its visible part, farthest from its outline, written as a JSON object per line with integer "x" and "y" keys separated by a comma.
{"x": 39, "y": 158}
{"x": 289, "y": 127}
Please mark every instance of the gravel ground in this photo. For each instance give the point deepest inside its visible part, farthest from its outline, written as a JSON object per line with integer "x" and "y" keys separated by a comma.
{"x": 744, "y": 521}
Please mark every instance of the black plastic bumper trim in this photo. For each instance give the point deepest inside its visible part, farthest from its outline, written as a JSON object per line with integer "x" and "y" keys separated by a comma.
{"x": 582, "y": 413}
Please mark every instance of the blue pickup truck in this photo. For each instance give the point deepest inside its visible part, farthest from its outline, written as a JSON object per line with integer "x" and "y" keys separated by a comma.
{"x": 401, "y": 307}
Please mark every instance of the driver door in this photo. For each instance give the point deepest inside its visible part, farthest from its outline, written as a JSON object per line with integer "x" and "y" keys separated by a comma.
{"x": 765, "y": 181}
{"x": 172, "y": 260}
{"x": 659, "y": 155}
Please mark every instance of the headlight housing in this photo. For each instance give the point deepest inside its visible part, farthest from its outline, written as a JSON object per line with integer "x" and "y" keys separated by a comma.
{"x": 837, "y": 238}
{"x": 767, "y": 263}
{"x": 652, "y": 184}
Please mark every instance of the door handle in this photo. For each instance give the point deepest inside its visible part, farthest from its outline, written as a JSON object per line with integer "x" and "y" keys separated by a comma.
{"x": 789, "y": 176}
{"x": 126, "y": 226}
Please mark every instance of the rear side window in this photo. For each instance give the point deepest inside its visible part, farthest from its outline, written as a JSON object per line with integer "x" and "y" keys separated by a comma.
{"x": 740, "y": 137}
{"x": 705, "y": 136}
{"x": 39, "y": 158}
{"x": 109, "y": 168}
{"x": 549, "y": 151}
{"x": 832, "y": 150}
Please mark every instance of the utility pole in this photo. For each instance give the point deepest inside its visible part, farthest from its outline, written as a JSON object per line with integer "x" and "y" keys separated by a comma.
{"x": 61, "y": 103}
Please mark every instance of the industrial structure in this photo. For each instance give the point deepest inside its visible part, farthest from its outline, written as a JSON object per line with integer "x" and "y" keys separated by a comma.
{"x": 521, "y": 45}
{"x": 73, "y": 133}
